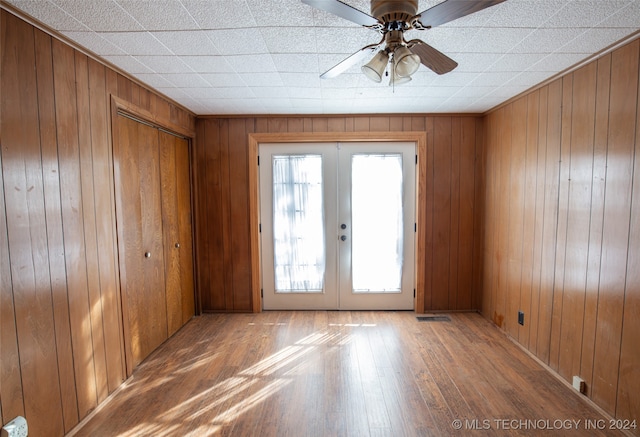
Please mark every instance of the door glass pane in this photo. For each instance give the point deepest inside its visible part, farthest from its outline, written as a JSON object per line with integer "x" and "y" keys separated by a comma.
{"x": 376, "y": 208}
{"x": 298, "y": 223}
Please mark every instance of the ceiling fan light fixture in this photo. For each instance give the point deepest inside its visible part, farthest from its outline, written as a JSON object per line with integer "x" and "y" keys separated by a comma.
{"x": 374, "y": 69}
{"x": 398, "y": 80}
{"x": 406, "y": 62}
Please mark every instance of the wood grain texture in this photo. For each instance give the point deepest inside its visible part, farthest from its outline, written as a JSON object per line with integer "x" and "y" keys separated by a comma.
{"x": 226, "y": 154}
{"x": 623, "y": 103}
{"x": 579, "y": 231}
{"x": 67, "y": 326}
{"x": 31, "y": 359}
{"x": 140, "y": 231}
{"x": 337, "y": 373}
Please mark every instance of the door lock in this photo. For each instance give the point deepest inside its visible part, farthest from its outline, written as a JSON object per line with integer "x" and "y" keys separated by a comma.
{"x": 343, "y": 237}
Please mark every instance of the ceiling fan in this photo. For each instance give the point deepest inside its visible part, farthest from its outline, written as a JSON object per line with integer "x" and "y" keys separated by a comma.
{"x": 392, "y": 18}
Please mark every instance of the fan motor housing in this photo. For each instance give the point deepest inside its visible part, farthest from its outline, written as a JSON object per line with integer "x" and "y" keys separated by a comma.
{"x": 389, "y": 11}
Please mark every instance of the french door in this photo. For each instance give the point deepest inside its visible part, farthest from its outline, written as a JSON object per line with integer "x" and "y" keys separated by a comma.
{"x": 337, "y": 225}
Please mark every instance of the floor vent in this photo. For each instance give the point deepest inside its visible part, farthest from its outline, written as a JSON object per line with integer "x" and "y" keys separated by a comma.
{"x": 433, "y": 319}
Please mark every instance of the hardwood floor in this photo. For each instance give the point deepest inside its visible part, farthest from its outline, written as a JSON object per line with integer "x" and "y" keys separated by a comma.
{"x": 330, "y": 373}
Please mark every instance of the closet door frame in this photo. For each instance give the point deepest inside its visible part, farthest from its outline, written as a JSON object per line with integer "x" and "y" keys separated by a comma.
{"x": 118, "y": 108}
{"x": 255, "y": 139}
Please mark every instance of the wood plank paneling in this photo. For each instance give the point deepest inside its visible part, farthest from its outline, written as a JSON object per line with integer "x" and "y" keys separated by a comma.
{"x": 226, "y": 227}
{"x": 102, "y": 163}
{"x": 51, "y": 179}
{"x": 628, "y": 401}
{"x": 73, "y": 224}
{"x": 579, "y": 201}
{"x": 530, "y": 222}
{"x": 580, "y": 224}
{"x": 623, "y": 102}
{"x": 442, "y": 220}
{"x": 61, "y": 334}
{"x": 35, "y": 356}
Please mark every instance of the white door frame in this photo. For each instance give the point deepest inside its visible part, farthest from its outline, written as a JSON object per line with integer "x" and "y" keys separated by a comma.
{"x": 254, "y": 139}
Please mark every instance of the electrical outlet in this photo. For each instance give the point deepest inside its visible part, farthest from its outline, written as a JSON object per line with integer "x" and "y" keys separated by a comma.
{"x": 16, "y": 428}
{"x": 520, "y": 318}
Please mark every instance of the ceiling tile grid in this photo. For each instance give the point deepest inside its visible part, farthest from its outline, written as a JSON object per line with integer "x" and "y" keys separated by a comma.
{"x": 266, "y": 56}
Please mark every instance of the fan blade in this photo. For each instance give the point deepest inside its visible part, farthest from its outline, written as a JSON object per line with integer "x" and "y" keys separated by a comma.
{"x": 450, "y": 10}
{"x": 349, "y": 62}
{"x": 432, "y": 58}
{"x": 343, "y": 10}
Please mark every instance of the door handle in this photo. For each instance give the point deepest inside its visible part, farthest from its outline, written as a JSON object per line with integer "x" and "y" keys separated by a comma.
{"x": 147, "y": 254}
{"x": 343, "y": 226}
{"x": 177, "y": 245}
{"x": 343, "y": 237}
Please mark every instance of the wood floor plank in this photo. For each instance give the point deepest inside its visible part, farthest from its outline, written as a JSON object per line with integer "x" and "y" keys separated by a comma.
{"x": 340, "y": 373}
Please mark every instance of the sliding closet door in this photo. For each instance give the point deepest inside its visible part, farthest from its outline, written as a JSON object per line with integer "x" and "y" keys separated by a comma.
{"x": 140, "y": 238}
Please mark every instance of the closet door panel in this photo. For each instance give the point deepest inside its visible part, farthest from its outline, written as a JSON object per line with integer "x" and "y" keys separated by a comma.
{"x": 140, "y": 242}
{"x": 183, "y": 190}
{"x": 176, "y": 211}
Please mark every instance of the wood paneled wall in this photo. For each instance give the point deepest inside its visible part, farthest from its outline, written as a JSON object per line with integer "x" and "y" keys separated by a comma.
{"x": 453, "y": 183}
{"x": 562, "y": 233}
{"x": 61, "y": 331}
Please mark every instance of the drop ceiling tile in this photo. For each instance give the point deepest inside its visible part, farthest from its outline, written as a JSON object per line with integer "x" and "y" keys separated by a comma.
{"x": 437, "y": 92}
{"x": 220, "y": 14}
{"x": 557, "y": 62}
{"x": 528, "y": 78}
{"x": 268, "y": 92}
{"x": 471, "y": 92}
{"x": 345, "y": 80}
{"x": 528, "y": 13}
{"x": 154, "y": 80}
{"x": 49, "y": 13}
{"x": 208, "y": 64}
{"x": 187, "y": 43}
{"x": 474, "y": 62}
{"x": 301, "y": 79}
{"x": 280, "y": 105}
{"x": 281, "y": 13}
{"x": 453, "y": 79}
{"x": 238, "y": 41}
{"x": 186, "y": 80}
{"x": 176, "y": 94}
{"x": 95, "y": 43}
{"x": 296, "y": 63}
{"x": 290, "y": 40}
{"x": 625, "y": 17}
{"x": 585, "y": 13}
{"x": 338, "y": 93}
{"x": 251, "y": 63}
{"x": 515, "y": 62}
{"x": 493, "y": 79}
{"x": 223, "y": 79}
{"x": 204, "y": 93}
{"x": 497, "y": 39}
{"x": 262, "y": 79}
{"x": 159, "y": 14}
{"x": 100, "y": 15}
{"x": 303, "y": 92}
{"x": 547, "y": 40}
{"x": 594, "y": 40}
{"x": 233, "y": 93}
{"x": 136, "y": 43}
{"x": 128, "y": 64}
{"x": 446, "y": 39}
{"x": 164, "y": 64}
{"x": 507, "y": 91}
